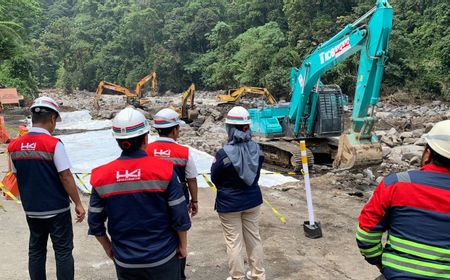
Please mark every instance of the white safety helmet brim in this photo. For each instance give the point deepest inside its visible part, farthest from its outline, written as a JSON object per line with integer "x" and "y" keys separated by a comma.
{"x": 439, "y": 138}
{"x": 166, "y": 118}
{"x": 47, "y": 103}
{"x": 129, "y": 123}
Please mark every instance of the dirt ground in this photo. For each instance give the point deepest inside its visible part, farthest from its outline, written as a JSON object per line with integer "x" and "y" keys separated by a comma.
{"x": 289, "y": 255}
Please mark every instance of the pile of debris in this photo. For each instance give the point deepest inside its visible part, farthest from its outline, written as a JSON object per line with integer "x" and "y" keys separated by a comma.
{"x": 400, "y": 130}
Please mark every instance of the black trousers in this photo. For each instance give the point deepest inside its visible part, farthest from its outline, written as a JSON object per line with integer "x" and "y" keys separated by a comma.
{"x": 182, "y": 268}
{"x": 168, "y": 271}
{"x": 61, "y": 233}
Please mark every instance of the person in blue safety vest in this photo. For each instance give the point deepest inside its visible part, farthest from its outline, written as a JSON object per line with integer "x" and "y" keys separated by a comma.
{"x": 143, "y": 201}
{"x": 235, "y": 172}
{"x": 414, "y": 208}
{"x": 45, "y": 183}
{"x": 167, "y": 122}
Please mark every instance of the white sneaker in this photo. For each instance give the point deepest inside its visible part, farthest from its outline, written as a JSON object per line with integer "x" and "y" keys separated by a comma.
{"x": 248, "y": 275}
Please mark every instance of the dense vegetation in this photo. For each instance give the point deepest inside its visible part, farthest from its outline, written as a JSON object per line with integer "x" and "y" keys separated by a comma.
{"x": 217, "y": 44}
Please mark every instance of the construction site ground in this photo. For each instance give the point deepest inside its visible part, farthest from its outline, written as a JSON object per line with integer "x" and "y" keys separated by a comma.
{"x": 289, "y": 255}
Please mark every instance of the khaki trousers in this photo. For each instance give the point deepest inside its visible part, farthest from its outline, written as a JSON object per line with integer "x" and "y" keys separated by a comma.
{"x": 241, "y": 228}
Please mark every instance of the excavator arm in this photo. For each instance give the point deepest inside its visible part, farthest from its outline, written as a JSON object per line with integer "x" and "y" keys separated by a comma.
{"x": 235, "y": 95}
{"x": 110, "y": 88}
{"x": 154, "y": 86}
{"x": 189, "y": 94}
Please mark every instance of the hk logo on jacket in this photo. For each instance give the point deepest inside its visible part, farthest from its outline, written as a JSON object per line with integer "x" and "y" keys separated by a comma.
{"x": 161, "y": 153}
{"x": 127, "y": 175}
{"x": 28, "y": 146}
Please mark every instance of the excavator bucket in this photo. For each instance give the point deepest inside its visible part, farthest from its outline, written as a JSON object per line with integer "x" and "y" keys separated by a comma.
{"x": 357, "y": 153}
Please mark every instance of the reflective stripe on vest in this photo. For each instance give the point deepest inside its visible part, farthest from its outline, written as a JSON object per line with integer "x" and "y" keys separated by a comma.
{"x": 419, "y": 249}
{"x": 416, "y": 267}
{"x": 19, "y": 155}
{"x": 177, "y": 161}
{"x": 133, "y": 186}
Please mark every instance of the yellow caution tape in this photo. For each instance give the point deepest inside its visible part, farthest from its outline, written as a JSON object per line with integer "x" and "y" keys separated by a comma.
{"x": 82, "y": 183}
{"x": 210, "y": 184}
{"x": 274, "y": 210}
{"x": 8, "y": 193}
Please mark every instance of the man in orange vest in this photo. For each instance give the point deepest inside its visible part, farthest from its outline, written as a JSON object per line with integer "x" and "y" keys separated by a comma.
{"x": 167, "y": 122}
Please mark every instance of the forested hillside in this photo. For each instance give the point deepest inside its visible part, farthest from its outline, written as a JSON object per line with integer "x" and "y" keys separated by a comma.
{"x": 217, "y": 44}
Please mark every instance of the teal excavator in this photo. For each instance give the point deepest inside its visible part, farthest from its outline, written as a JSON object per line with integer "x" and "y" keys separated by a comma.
{"x": 315, "y": 112}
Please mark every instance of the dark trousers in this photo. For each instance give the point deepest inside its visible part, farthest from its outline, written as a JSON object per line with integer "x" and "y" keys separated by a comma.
{"x": 60, "y": 230}
{"x": 182, "y": 268}
{"x": 168, "y": 271}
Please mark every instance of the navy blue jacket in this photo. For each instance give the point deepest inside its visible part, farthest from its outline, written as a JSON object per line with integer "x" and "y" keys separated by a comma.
{"x": 414, "y": 208}
{"x": 233, "y": 194}
{"x": 145, "y": 206}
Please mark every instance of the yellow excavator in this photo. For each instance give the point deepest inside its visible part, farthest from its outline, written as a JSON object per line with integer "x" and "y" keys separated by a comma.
{"x": 234, "y": 95}
{"x": 133, "y": 98}
{"x": 186, "y": 111}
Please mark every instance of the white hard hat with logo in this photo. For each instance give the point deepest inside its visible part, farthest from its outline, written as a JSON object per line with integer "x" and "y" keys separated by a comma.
{"x": 439, "y": 138}
{"x": 238, "y": 115}
{"x": 166, "y": 118}
{"x": 129, "y": 123}
{"x": 44, "y": 103}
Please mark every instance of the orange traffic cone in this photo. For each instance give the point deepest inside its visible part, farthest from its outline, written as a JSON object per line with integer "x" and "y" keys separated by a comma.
{"x": 4, "y": 135}
{"x": 10, "y": 183}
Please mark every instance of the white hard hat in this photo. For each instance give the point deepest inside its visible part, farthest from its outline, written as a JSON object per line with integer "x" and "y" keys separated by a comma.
{"x": 45, "y": 102}
{"x": 166, "y": 118}
{"x": 439, "y": 138}
{"x": 129, "y": 123}
{"x": 238, "y": 115}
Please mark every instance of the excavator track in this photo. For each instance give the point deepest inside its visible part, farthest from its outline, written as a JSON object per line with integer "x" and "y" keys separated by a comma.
{"x": 285, "y": 154}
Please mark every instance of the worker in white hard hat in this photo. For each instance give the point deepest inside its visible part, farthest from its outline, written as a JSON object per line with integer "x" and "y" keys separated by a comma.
{"x": 235, "y": 172}
{"x": 167, "y": 123}
{"x": 142, "y": 199}
{"x": 46, "y": 186}
{"x": 414, "y": 208}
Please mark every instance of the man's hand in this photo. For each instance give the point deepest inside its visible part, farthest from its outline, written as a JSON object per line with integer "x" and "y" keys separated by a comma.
{"x": 106, "y": 244}
{"x": 109, "y": 252}
{"x": 81, "y": 213}
{"x": 182, "y": 251}
{"x": 193, "y": 208}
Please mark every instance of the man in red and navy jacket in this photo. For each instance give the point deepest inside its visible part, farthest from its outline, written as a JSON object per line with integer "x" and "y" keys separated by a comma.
{"x": 142, "y": 199}
{"x": 414, "y": 208}
{"x": 45, "y": 184}
{"x": 167, "y": 122}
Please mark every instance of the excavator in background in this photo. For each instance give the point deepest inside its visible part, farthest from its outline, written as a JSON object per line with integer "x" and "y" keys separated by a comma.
{"x": 234, "y": 95}
{"x": 186, "y": 111}
{"x": 133, "y": 98}
{"x": 315, "y": 111}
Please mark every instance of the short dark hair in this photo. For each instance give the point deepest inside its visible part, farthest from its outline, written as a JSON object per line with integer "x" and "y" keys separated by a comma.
{"x": 42, "y": 115}
{"x": 437, "y": 158}
{"x": 166, "y": 130}
{"x": 131, "y": 144}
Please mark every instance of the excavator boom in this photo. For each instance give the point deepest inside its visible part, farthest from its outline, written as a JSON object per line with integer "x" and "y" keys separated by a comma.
{"x": 154, "y": 86}
{"x": 235, "y": 95}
